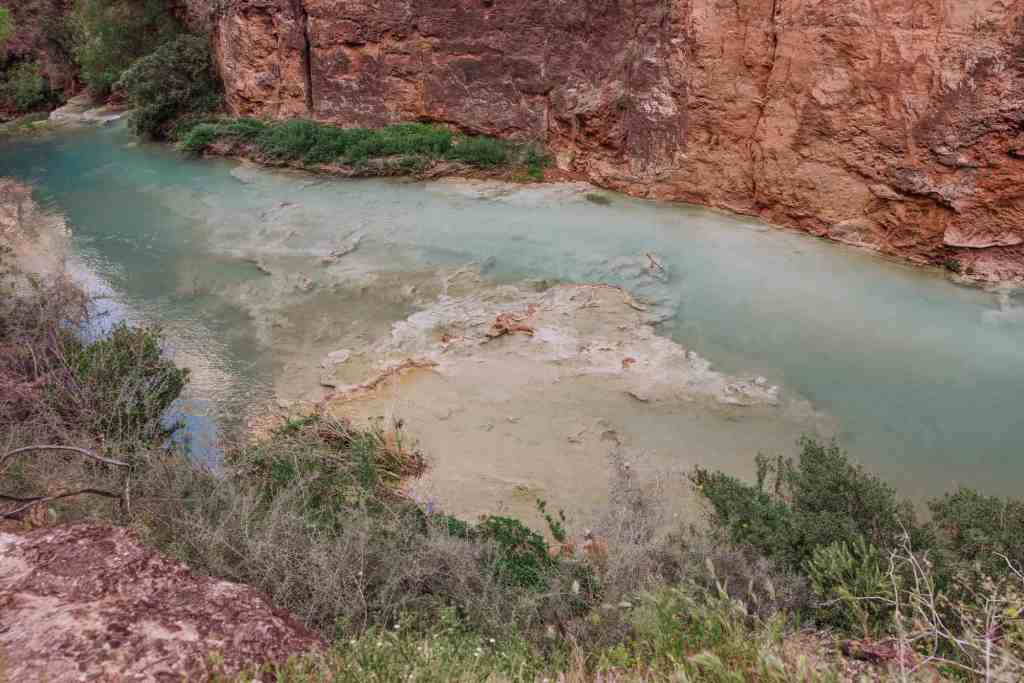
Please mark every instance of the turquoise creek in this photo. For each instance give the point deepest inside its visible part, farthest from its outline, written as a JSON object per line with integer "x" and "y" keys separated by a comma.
{"x": 920, "y": 378}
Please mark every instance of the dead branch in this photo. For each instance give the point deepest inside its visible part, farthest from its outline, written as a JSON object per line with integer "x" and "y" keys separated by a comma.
{"x": 71, "y": 449}
{"x": 49, "y": 499}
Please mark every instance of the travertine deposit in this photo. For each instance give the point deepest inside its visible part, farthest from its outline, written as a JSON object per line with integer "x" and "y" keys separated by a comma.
{"x": 521, "y": 392}
{"x": 893, "y": 125}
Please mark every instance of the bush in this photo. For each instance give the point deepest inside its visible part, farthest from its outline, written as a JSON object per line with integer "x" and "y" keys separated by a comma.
{"x": 60, "y": 388}
{"x": 25, "y": 88}
{"x": 174, "y": 80}
{"x": 289, "y": 141}
{"x": 980, "y": 528}
{"x": 130, "y": 380}
{"x": 110, "y": 35}
{"x": 480, "y": 151}
{"x": 842, "y": 576}
{"x": 406, "y": 147}
{"x": 199, "y": 137}
{"x": 705, "y": 635}
{"x": 5, "y": 27}
{"x": 796, "y": 508}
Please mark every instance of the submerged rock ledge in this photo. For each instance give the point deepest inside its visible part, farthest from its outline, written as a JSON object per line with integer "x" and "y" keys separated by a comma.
{"x": 529, "y": 390}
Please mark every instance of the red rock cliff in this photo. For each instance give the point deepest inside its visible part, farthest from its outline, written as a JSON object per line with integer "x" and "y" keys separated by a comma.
{"x": 891, "y": 124}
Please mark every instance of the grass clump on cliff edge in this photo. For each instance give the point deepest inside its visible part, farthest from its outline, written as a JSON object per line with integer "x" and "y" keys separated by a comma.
{"x": 411, "y": 146}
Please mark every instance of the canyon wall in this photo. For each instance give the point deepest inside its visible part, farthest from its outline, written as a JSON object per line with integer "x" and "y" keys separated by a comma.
{"x": 890, "y": 124}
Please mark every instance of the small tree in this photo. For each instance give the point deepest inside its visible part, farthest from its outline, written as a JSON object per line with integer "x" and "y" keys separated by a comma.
{"x": 25, "y": 88}
{"x": 176, "y": 79}
{"x": 109, "y": 35}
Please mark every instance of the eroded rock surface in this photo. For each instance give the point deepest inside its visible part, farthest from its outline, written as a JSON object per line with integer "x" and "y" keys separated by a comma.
{"x": 89, "y": 602}
{"x": 893, "y": 125}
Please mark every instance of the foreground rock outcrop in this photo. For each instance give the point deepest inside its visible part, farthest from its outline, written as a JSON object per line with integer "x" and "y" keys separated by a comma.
{"x": 89, "y": 602}
{"x": 894, "y": 125}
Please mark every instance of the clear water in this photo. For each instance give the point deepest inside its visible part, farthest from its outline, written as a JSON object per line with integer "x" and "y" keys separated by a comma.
{"x": 923, "y": 377}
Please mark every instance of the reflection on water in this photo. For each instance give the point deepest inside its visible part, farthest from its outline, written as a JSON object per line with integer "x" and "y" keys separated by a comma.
{"x": 253, "y": 276}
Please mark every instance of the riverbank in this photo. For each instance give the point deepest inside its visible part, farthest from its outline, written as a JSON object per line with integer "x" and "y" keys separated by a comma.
{"x": 416, "y": 150}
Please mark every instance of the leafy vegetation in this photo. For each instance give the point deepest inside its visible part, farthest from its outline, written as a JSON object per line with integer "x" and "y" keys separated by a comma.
{"x": 24, "y": 87}
{"x": 174, "y": 80}
{"x": 108, "y": 36}
{"x": 796, "y": 508}
{"x": 128, "y": 376}
{"x": 413, "y": 146}
{"x": 5, "y": 27}
{"x": 980, "y": 528}
{"x": 948, "y": 592}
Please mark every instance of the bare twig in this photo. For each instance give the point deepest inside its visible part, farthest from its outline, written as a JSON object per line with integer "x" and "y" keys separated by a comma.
{"x": 71, "y": 449}
{"x": 49, "y": 499}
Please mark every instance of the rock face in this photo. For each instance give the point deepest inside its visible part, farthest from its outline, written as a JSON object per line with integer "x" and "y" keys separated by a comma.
{"x": 889, "y": 124}
{"x": 88, "y": 602}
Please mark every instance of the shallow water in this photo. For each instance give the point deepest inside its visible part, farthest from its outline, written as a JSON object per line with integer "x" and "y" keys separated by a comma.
{"x": 920, "y": 378}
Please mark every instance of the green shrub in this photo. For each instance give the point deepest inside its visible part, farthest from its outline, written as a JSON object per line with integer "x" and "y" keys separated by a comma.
{"x": 536, "y": 161}
{"x": 288, "y": 141}
{"x": 523, "y": 554}
{"x": 399, "y": 139}
{"x": 703, "y": 634}
{"x": 110, "y": 35}
{"x": 25, "y": 88}
{"x": 953, "y": 265}
{"x": 751, "y": 516}
{"x": 845, "y": 577}
{"x": 5, "y": 27}
{"x": 480, "y": 151}
{"x": 404, "y": 147}
{"x": 200, "y": 137}
{"x": 131, "y": 383}
{"x": 795, "y": 508}
{"x": 340, "y": 467}
{"x": 175, "y": 79}
{"x": 242, "y": 129}
{"x": 980, "y": 528}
